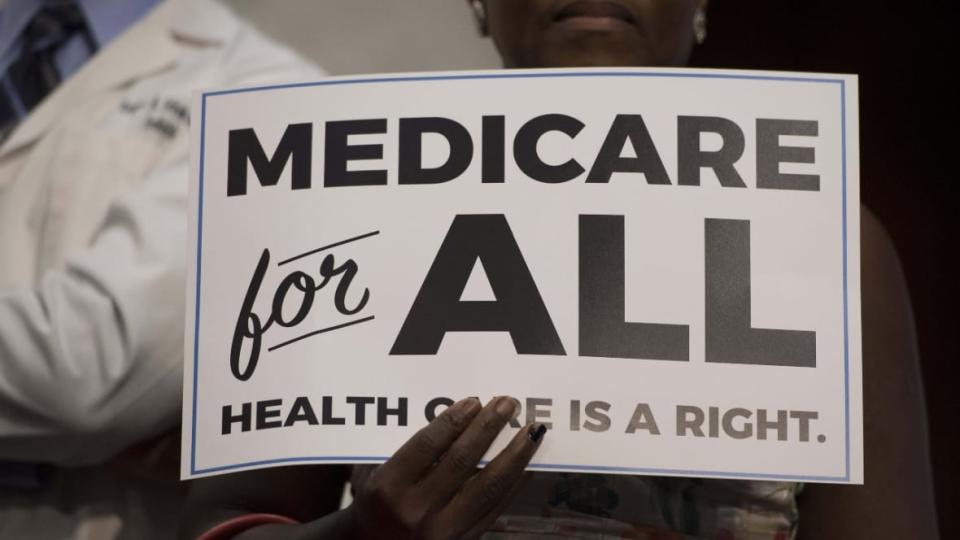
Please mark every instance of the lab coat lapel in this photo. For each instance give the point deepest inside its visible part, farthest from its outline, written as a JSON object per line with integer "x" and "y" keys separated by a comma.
{"x": 148, "y": 47}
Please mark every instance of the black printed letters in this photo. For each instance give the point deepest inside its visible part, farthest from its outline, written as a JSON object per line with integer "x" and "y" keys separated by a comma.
{"x": 349, "y": 163}
{"x": 520, "y": 310}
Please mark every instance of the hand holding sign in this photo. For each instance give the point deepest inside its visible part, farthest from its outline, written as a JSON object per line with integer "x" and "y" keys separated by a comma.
{"x": 431, "y": 486}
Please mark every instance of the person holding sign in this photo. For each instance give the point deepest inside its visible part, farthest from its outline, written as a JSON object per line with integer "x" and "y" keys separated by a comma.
{"x": 427, "y": 487}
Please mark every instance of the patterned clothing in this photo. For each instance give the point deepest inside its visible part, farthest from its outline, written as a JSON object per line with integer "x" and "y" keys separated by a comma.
{"x": 568, "y": 505}
{"x": 44, "y": 42}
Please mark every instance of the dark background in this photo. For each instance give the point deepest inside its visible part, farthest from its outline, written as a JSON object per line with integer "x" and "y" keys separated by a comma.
{"x": 908, "y": 113}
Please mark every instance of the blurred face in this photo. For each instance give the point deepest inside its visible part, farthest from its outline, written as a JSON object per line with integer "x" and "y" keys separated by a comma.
{"x": 574, "y": 33}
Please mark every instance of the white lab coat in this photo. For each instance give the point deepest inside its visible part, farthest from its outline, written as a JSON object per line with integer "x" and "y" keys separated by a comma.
{"x": 93, "y": 188}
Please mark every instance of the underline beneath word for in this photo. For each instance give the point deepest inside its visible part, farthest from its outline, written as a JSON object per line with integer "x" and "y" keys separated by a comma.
{"x": 318, "y": 332}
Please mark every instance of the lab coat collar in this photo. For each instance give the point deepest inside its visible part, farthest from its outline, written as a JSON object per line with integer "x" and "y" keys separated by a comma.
{"x": 149, "y": 47}
{"x": 203, "y": 22}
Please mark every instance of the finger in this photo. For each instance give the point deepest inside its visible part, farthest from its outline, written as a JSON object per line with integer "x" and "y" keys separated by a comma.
{"x": 359, "y": 476}
{"x": 487, "y": 521}
{"x": 418, "y": 454}
{"x": 461, "y": 460}
{"x": 481, "y": 495}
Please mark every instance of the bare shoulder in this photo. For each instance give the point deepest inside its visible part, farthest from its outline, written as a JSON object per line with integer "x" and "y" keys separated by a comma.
{"x": 896, "y": 500}
{"x": 881, "y": 273}
{"x": 889, "y": 340}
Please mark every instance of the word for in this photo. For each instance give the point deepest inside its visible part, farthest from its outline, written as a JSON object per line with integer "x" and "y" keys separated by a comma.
{"x": 250, "y": 326}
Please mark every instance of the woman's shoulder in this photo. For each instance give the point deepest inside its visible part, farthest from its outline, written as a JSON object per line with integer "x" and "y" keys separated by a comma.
{"x": 881, "y": 271}
{"x": 897, "y": 499}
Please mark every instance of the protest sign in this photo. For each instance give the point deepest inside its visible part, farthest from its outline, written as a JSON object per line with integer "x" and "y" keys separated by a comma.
{"x": 661, "y": 265}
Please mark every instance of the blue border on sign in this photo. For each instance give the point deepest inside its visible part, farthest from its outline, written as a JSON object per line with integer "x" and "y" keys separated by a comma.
{"x": 541, "y": 467}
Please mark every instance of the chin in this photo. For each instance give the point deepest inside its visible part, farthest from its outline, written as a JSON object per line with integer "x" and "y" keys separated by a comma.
{"x": 595, "y": 58}
{"x": 595, "y": 51}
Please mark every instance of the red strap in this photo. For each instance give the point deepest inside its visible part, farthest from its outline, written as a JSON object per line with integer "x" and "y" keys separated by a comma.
{"x": 232, "y": 527}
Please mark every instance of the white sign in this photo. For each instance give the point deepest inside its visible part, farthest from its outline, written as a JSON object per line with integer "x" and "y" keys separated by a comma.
{"x": 661, "y": 265}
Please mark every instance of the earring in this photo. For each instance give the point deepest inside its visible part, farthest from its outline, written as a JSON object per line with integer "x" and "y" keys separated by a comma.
{"x": 699, "y": 25}
{"x": 480, "y": 13}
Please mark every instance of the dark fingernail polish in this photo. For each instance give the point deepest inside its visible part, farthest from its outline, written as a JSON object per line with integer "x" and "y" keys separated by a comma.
{"x": 536, "y": 432}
